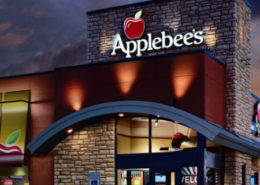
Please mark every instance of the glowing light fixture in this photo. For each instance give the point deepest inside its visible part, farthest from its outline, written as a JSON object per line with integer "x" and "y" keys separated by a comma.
{"x": 69, "y": 131}
{"x": 126, "y": 74}
{"x": 121, "y": 115}
{"x": 211, "y": 34}
{"x": 183, "y": 74}
{"x": 75, "y": 95}
{"x": 156, "y": 123}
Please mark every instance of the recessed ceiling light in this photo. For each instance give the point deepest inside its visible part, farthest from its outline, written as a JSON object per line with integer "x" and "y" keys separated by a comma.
{"x": 121, "y": 115}
{"x": 69, "y": 131}
{"x": 156, "y": 122}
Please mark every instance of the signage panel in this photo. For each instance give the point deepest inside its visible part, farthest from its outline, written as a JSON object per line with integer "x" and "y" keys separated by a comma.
{"x": 14, "y": 122}
{"x": 134, "y": 29}
{"x": 94, "y": 178}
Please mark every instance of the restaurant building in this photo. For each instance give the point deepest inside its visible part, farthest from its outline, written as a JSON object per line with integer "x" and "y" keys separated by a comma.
{"x": 163, "y": 99}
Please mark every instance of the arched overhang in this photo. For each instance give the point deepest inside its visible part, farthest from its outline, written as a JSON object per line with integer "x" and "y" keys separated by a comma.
{"x": 51, "y": 136}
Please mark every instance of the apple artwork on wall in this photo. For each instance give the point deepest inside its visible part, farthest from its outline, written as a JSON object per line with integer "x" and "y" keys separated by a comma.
{"x": 134, "y": 27}
{"x": 10, "y": 146}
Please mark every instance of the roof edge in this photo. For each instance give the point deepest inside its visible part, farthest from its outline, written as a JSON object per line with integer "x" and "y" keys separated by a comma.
{"x": 256, "y": 97}
{"x": 100, "y": 10}
{"x": 120, "y": 6}
{"x": 248, "y": 3}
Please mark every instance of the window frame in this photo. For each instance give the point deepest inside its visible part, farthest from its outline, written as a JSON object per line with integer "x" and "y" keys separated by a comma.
{"x": 150, "y": 137}
{"x": 172, "y": 161}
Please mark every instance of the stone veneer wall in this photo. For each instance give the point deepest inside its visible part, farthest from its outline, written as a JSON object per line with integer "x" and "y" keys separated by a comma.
{"x": 238, "y": 92}
{"x": 88, "y": 150}
{"x": 215, "y": 17}
{"x": 233, "y": 168}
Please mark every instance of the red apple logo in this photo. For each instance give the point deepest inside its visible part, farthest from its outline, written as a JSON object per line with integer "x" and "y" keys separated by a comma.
{"x": 134, "y": 27}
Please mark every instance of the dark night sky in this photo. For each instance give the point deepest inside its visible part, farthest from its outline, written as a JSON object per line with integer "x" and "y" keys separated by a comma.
{"x": 39, "y": 35}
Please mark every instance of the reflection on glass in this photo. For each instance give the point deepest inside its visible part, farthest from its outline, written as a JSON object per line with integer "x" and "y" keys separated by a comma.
{"x": 169, "y": 136}
{"x": 189, "y": 176}
{"x": 133, "y": 177}
{"x": 132, "y": 135}
{"x": 166, "y": 178}
{"x": 213, "y": 176}
{"x": 213, "y": 147}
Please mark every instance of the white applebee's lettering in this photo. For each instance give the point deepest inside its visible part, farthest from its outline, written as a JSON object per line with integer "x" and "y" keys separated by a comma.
{"x": 141, "y": 48}
{"x": 157, "y": 43}
{"x": 118, "y": 44}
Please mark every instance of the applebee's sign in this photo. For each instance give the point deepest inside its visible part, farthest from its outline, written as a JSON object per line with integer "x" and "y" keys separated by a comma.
{"x": 134, "y": 29}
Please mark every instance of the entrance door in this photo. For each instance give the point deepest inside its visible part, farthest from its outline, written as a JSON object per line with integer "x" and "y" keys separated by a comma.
{"x": 175, "y": 176}
{"x": 136, "y": 176}
{"x": 140, "y": 176}
{"x": 168, "y": 176}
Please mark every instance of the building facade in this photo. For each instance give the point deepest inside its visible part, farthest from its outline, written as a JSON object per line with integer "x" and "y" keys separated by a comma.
{"x": 164, "y": 98}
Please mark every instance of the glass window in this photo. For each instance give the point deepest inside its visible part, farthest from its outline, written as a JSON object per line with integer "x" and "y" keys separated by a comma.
{"x": 133, "y": 176}
{"x": 189, "y": 175}
{"x": 132, "y": 135}
{"x": 165, "y": 178}
{"x": 213, "y": 176}
{"x": 213, "y": 147}
{"x": 170, "y": 136}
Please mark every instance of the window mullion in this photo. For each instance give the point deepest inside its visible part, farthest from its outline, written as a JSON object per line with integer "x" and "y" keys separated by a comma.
{"x": 150, "y": 135}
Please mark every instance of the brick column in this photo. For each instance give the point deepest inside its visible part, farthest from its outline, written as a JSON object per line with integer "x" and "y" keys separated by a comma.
{"x": 238, "y": 90}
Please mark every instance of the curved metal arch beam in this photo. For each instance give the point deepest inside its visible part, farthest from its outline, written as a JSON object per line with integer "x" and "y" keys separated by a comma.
{"x": 51, "y": 136}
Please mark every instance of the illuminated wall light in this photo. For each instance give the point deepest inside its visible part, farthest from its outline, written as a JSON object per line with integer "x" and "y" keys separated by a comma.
{"x": 181, "y": 85}
{"x": 105, "y": 43}
{"x": 243, "y": 31}
{"x": 121, "y": 115}
{"x": 183, "y": 75}
{"x": 126, "y": 75}
{"x": 174, "y": 22}
{"x": 69, "y": 131}
{"x": 210, "y": 35}
{"x": 75, "y": 96}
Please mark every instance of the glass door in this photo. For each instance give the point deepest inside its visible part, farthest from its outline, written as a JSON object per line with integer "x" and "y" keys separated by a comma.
{"x": 133, "y": 176}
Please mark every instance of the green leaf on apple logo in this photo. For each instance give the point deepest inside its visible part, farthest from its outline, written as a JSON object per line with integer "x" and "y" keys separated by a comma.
{"x": 13, "y": 137}
{"x": 138, "y": 14}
